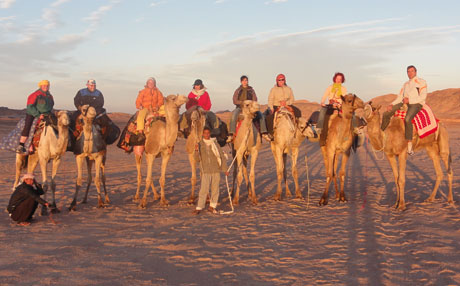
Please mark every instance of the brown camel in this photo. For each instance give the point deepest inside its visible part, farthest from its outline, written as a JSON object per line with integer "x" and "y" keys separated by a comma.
{"x": 394, "y": 145}
{"x": 160, "y": 139}
{"x": 94, "y": 150}
{"x": 198, "y": 119}
{"x": 52, "y": 146}
{"x": 288, "y": 136}
{"x": 338, "y": 143}
{"x": 245, "y": 146}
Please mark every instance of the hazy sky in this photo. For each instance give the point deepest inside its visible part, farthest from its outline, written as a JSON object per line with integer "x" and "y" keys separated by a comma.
{"x": 122, "y": 43}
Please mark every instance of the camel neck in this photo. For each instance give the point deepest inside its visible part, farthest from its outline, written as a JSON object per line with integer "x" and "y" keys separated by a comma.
{"x": 375, "y": 133}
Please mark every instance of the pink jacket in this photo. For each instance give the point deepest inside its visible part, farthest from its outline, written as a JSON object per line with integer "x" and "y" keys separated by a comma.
{"x": 203, "y": 100}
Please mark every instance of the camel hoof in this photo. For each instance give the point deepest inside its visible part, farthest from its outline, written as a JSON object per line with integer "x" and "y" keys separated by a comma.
{"x": 277, "y": 197}
{"x": 288, "y": 195}
{"x": 107, "y": 201}
{"x": 451, "y": 202}
{"x": 343, "y": 200}
{"x": 429, "y": 200}
{"x": 164, "y": 203}
{"x": 323, "y": 202}
{"x": 72, "y": 208}
{"x": 156, "y": 197}
{"x": 236, "y": 202}
{"x": 84, "y": 202}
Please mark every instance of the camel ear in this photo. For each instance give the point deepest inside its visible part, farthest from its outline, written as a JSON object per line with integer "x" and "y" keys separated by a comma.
{"x": 343, "y": 98}
{"x": 378, "y": 107}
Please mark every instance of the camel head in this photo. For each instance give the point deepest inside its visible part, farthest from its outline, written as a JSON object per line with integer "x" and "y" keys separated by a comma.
{"x": 63, "y": 118}
{"x": 175, "y": 100}
{"x": 353, "y": 101}
{"x": 371, "y": 110}
{"x": 304, "y": 129}
{"x": 250, "y": 107}
{"x": 88, "y": 112}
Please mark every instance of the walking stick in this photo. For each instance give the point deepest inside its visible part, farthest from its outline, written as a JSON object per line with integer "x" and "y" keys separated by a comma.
{"x": 308, "y": 181}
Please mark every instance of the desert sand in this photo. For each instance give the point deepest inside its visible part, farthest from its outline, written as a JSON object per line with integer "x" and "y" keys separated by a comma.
{"x": 361, "y": 242}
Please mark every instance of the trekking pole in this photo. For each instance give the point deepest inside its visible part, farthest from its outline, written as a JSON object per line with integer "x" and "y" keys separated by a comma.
{"x": 228, "y": 189}
{"x": 308, "y": 181}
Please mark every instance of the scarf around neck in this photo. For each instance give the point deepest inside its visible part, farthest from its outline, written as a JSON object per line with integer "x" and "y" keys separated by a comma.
{"x": 199, "y": 92}
{"x": 337, "y": 90}
{"x": 212, "y": 142}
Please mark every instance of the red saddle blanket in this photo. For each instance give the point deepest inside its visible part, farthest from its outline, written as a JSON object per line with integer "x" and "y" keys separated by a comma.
{"x": 425, "y": 122}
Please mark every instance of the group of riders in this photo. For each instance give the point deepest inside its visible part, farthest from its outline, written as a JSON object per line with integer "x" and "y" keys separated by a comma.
{"x": 150, "y": 100}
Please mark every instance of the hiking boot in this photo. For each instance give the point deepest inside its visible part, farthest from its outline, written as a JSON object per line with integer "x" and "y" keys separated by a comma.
{"x": 180, "y": 134}
{"x": 267, "y": 136}
{"x": 230, "y": 138}
{"x": 410, "y": 151}
{"x": 196, "y": 212}
{"x": 21, "y": 149}
{"x": 140, "y": 135}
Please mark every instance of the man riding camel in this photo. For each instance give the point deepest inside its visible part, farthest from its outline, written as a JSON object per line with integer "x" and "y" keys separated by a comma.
{"x": 39, "y": 104}
{"x": 242, "y": 93}
{"x": 413, "y": 93}
{"x": 150, "y": 99}
{"x": 281, "y": 95}
{"x": 92, "y": 97}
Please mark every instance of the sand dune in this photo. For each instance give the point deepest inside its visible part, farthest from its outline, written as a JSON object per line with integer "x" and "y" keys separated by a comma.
{"x": 362, "y": 242}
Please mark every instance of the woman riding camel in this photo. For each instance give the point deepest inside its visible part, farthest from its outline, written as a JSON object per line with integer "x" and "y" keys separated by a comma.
{"x": 39, "y": 104}
{"x": 281, "y": 95}
{"x": 150, "y": 99}
{"x": 198, "y": 97}
{"x": 333, "y": 96}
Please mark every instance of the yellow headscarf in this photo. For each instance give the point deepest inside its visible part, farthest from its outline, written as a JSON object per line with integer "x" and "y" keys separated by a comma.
{"x": 43, "y": 82}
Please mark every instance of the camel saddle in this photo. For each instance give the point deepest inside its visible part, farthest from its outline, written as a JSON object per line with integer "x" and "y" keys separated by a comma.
{"x": 48, "y": 120}
{"x": 424, "y": 121}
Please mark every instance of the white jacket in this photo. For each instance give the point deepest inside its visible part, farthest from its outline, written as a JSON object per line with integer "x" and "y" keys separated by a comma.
{"x": 415, "y": 89}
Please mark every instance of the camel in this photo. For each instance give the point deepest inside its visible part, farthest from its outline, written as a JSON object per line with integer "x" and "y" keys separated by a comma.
{"x": 287, "y": 139}
{"x": 52, "y": 146}
{"x": 94, "y": 150}
{"x": 338, "y": 143}
{"x": 198, "y": 120}
{"x": 160, "y": 139}
{"x": 244, "y": 145}
{"x": 394, "y": 145}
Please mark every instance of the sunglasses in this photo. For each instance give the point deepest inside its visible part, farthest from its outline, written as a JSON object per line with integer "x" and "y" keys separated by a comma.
{"x": 281, "y": 79}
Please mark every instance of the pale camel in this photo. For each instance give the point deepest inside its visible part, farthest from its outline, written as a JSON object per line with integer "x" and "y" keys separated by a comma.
{"x": 52, "y": 146}
{"x": 90, "y": 153}
{"x": 198, "y": 119}
{"x": 245, "y": 146}
{"x": 288, "y": 136}
{"x": 394, "y": 145}
{"x": 338, "y": 143}
{"x": 160, "y": 139}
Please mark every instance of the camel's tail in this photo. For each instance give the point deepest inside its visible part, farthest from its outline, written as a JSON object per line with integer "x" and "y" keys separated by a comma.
{"x": 25, "y": 162}
{"x": 449, "y": 162}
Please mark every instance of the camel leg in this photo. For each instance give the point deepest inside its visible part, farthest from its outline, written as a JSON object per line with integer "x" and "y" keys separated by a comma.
{"x": 279, "y": 172}
{"x": 165, "y": 156}
{"x": 79, "y": 160}
{"x": 148, "y": 181}
{"x": 139, "y": 176}
{"x": 394, "y": 167}
{"x": 245, "y": 174}
{"x": 447, "y": 159}
{"x": 97, "y": 181}
{"x": 239, "y": 180}
{"x": 252, "y": 175}
{"x": 43, "y": 162}
{"x": 89, "y": 166}
{"x": 56, "y": 164}
{"x": 107, "y": 200}
{"x": 342, "y": 173}
{"x": 295, "y": 174}
{"x": 334, "y": 176}
{"x": 20, "y": 162}
{"x": 329, "y": 173}
{"x": 288, "y": 191}
{"x": 434, "y": 155}
{"x": 402, "y": 158}
{"x": 191, "y": 159}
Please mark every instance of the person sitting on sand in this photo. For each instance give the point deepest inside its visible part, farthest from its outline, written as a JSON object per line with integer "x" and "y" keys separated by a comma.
{"x": 25, "y": 199}
{"x": 39, "y": 104}
{"x": 150, "y": 99}
{"x": 212, "y": 162}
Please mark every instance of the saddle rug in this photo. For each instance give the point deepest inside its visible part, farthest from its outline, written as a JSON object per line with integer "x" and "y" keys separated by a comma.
{"x": 11, "y": 141}
{"x": 425, "y": 122}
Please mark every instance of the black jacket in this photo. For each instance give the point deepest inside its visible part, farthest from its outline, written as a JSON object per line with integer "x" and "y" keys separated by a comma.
{"x": 23, "y": 192}
{"x": 94, "y": 99}
{"x": 251, "y": 95}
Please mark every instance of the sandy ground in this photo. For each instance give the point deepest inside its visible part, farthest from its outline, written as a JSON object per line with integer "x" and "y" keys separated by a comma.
{"x": 362, "y": 242}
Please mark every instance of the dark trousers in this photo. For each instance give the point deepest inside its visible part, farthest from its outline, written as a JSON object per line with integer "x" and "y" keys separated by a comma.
{"x": 25, "y": 210}
{"x": 27, "y": 125}
{"x": 234, "y": 120}
{"x": 412, "y": 110}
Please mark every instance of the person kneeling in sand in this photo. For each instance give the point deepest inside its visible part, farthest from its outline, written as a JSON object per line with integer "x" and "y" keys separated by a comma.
{"x": 212, "y": 162}
{"x": 25, "y": 199}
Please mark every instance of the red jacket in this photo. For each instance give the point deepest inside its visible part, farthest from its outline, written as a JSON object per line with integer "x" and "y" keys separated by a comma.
{"x": 202, "y": 101}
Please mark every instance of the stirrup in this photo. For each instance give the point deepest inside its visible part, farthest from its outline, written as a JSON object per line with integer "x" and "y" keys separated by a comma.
{"x": 267, "y": 136}
{"x": 229, "y": 138}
